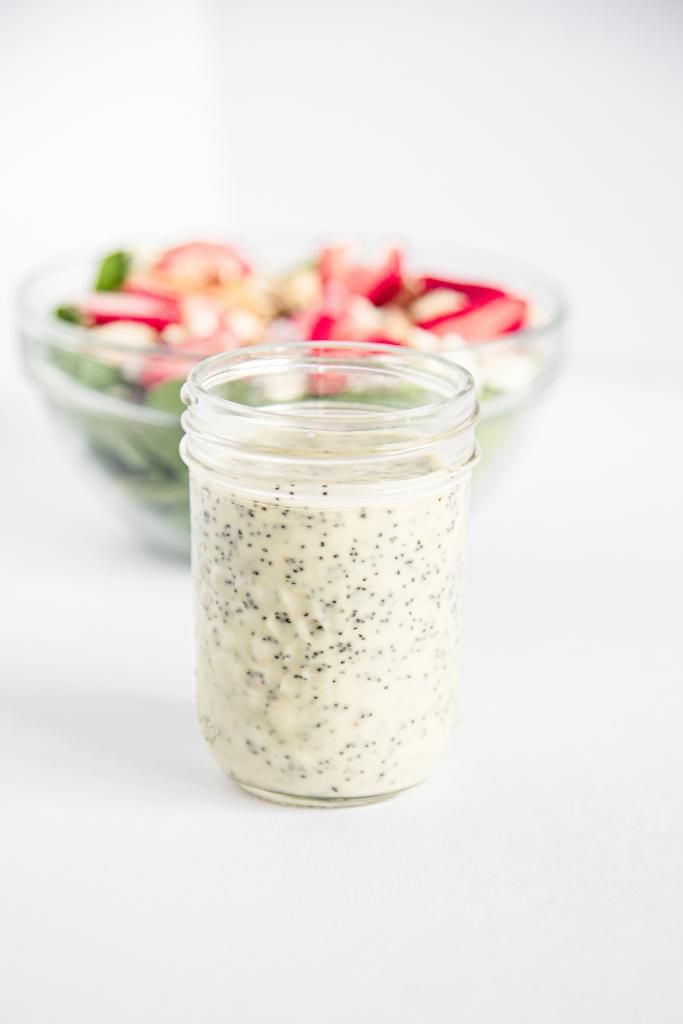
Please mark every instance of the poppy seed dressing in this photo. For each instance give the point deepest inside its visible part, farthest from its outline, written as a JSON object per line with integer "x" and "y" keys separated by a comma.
{"x": 327, "y": 636}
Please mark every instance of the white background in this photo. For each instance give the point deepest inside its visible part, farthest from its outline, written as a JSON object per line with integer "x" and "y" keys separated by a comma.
{"x": 537, "y": 878}
{"x": 543, "y": 129}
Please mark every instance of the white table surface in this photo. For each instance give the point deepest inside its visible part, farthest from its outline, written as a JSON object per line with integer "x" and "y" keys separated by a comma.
{"x": 536, "y": 879}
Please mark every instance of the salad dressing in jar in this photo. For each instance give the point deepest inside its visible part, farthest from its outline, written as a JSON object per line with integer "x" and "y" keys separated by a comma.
{"x": 329, "y": 497}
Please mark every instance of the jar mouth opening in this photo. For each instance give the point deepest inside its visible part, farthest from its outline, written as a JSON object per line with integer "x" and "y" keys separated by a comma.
{"x": 329, "y": 386}
{"x": 365, "y": 410}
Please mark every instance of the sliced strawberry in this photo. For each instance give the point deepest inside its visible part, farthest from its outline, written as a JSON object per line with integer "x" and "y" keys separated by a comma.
{"x": 202, "y": 264}
{"x": 487, "y": 313}
{"x": 333, "y": 382}
{"x": 387, "y": 280}
{"x": 158, "y": 369}
{"x": 325, "y": 320}
{"x": 145, "y": 286}
{"x": 107, "y": 307}
{"x": 321, "y": 328}
{"x": 334, "y": 263}
{"x": 333, "y": 351}
{"x": 475, "y": 293}
{"x": 330, "y": 383}
{"x": 481, "y": 321}
{"x": 387, "y": 341}
{"x": 378, "y": 284}
{"x": 337, "y": 265}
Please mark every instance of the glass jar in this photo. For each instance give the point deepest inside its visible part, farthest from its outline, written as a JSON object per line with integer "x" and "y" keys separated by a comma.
{"x": 329, "y": 489}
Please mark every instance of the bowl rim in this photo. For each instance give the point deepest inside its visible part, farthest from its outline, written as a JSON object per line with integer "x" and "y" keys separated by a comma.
{"x": 75, "y": 336}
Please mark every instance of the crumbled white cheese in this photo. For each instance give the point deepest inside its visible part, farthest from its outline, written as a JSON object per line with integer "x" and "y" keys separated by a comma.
{"x": 284, "y": 387}
{"x": 126, "y": 332}
{"x": 425, "y": 341}
{"x": 508, "y": 371}
{"x": 437, "y": 303}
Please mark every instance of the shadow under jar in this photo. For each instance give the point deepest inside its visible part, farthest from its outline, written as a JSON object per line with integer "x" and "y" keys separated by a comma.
{"x": 329, "y": 494}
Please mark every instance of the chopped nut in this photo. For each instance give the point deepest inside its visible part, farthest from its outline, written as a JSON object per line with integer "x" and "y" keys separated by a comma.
{"x": 366, "y": 317}
{"x": 395, "y": 325}
{"x": 299, "y": 290}
{"x": 248, "y": 327}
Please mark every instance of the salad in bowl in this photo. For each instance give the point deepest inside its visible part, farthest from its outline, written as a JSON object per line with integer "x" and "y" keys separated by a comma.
{"x": 110, "y": 342}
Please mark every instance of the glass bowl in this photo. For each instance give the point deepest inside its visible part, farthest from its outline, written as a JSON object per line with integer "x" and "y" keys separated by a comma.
{"x": 131, "y": 443}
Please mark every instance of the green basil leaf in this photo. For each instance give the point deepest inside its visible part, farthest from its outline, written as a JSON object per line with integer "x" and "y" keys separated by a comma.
{"x": 166, "y": 396}
{"x": 69, "y": 313}
{"x": 86, "y": 369}
{"x": 112, "y": 272}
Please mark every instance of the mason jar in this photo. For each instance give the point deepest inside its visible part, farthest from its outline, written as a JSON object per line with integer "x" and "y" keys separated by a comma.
{"x": 329, "y": 490}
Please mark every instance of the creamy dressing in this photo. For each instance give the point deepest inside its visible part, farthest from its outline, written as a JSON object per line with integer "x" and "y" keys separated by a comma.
{"x": 328, "y": 635}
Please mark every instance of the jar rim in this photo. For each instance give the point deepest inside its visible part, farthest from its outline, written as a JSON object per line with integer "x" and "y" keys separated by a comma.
{"x": 424, "y": 443}
{"x": 454, "y": 387}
